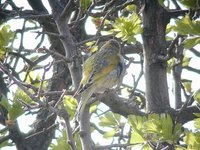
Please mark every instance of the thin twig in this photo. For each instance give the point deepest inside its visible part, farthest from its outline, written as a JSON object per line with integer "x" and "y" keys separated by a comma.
{"x": 46, "y": 68}
{"x": 29, "y": 94}
{"x": 65, "y": 115}
{"x": 103, "y": 20}
{"x": 34, "y": 16}
{"x": 57, "y": 93}
{"x": 93, "y": 39}
{"x": 73, "y": 23}
{"x": 65, "y": 11}
{"x": 21, "y": 56}
{"x": 60, "y": 99}
{"x": 45, "y": 130}
{"x": 184, "y": 106}
{"x": 69, "y": 60}
{"x": 116, "y": 8}
{"x": 171, "y": 47}
{"x": 21, "y": 43}
{"x": 48, "y": 33}
{"x": 112, "y": 146}
{"x": 25, "y": 104}
{"x": 30, "y": 86}
{"x": 192, "y": 69}
{"x": 138, "y": 79}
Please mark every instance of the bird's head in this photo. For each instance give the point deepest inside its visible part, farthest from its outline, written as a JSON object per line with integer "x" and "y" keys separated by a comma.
{"x": 112, "y": 45}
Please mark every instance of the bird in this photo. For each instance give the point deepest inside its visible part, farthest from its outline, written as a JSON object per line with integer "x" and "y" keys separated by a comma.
{"x": 101, "y": 71}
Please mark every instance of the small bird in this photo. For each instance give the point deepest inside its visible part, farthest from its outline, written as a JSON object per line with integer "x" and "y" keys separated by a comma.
{"x": 103, "y": 70}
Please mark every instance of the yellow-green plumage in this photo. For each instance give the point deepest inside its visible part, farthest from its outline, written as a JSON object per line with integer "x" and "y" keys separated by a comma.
{"x": 101, "y": 71}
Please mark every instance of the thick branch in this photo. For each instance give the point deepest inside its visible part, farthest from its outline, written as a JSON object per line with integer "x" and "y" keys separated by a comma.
{"x": 85, "y": 134}
{"x": 119, "y": 105}
{"x": 37, "y": 5}
{"x": 188, "y": 114}
{"x": 67, "y": 42}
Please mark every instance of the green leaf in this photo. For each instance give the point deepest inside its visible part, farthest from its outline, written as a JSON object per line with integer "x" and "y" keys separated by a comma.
{"x": 4, "y": 102}
{"x": 197, "y": 123}
{"x": 85, "y": 4}
{"x": 187, "y": 84}
{"x": 170, "y": 64}
{"x": 167, "y": 126}
{"x": 137, "y": 138}
{"x": 117, "y": 117}
{"x": 107, "y": 120}
{"x": 192, "y": 140}
{"x": 197, "y": 114}
{"x": 109, "y": 134}
{"x": 131, "y": 8}
{"x": 161, "y": 2}
{"x": 137, "y": 123}
{"x": 127, "y": 27}
{"x": 19, "y": 94}
{"x": 189, "y": 3}
{"x": 186, "y": 26}
{"x": 178, "y": 147}
{"x": 94, "y": 106}
{"x": 6, "y": 35}
{"x": 61, "y": 142}
{"x": 70, "y": 104}
{"x": 186, "y": 61}
{"x": 146, "y": 147}
{"x": 197, "y": 96}
{"x": 137, "y": 134}
{"x": 15, "y": 111}
{"x": 191, "y": 42}
{"x": 155, "y": 127}
{"x": 190, "y": 28}
{"x": 6, "y": 144}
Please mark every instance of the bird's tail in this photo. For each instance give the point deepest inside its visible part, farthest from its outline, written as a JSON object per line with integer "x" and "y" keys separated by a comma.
{"x": 85, "y": 96}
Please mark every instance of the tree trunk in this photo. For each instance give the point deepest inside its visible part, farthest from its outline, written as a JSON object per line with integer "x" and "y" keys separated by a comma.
{"x": 154, "y": 21}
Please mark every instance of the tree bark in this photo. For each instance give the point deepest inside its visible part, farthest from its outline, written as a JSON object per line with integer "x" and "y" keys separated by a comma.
{"x": 154, "y": 20}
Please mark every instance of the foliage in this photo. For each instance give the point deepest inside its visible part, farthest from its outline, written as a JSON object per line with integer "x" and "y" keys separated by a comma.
{"x": 85, "y": 4}
{"x": 70, "y": 105}
{"x": 197, "y": 96}
{"x": 154, "y": 128}
{"x": 190, "y": 3}
{"x": 186, "y": 26}
{"x": 128, "y": 27}
{"x": 14, "y": 109}
{"x": 36, "y": 69}
{"x": 6, "y": 36}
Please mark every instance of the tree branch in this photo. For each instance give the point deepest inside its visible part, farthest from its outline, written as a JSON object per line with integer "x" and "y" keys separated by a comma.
{"x": 192, "y": 69}
{"x": 188, "y": 114}
{"x": 67, "y": 42}
{"x": 112, "y": 146}
{"x": 85, "y": 133}
{"x": 120, "y": 105}
{"x": 196, "y": 52}
{"x": 177, "y": 70}
{"x": 65, "y": 115}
